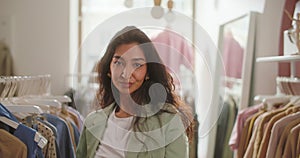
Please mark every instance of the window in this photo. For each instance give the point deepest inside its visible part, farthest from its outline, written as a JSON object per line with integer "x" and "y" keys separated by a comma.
{"x": 95, "y": 12}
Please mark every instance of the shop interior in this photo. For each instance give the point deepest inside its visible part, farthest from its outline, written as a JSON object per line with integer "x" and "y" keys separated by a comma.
{"x": 231, "y": 57}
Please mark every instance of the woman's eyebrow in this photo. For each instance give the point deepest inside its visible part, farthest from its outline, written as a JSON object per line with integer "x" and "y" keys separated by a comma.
{"x": 138, "y": 59}
{"x": 134, "y": 59}
{"x": 117, "y": 57}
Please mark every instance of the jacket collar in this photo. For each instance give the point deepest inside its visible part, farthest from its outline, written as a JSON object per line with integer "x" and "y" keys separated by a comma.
{"x": 97, "y": 120}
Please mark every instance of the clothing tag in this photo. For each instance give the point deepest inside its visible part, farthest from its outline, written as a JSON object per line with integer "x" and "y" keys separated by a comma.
{"x": 42, "y": 141}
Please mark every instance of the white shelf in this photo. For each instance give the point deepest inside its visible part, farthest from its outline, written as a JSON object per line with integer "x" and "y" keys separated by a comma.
{"x": 288, "y": 58}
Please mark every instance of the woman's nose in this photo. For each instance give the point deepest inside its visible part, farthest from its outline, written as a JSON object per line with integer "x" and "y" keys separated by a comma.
{"x": 126, "y": 73}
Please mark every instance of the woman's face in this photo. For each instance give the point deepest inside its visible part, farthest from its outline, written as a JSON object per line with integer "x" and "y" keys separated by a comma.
{"x": 128, "y": 68}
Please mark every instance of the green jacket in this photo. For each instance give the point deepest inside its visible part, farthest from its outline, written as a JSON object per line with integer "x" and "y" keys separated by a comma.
{"x": 167, "y": 136}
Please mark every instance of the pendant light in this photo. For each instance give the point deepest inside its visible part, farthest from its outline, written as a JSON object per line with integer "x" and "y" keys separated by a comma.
{"x": 157, "y": 11}
{"x": 128, "y": 3}
{"x": 170, "y": 16}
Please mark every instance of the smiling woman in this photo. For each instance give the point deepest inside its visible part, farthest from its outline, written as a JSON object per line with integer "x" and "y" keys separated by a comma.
{"x": 128, "y": 68}
{"x": 139, "y": 113}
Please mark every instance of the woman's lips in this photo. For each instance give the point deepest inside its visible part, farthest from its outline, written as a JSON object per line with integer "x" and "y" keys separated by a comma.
{"x": 125, "y": 84}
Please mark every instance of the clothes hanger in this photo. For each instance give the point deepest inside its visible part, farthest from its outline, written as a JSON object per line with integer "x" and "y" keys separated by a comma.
{"x": 13, "y": 88}
{"x": 9, "y": 122}
{"x": 30, "y": 105}
{"x": 24, "y": 108}
{"x": 270, "y": 101}
{"x": 40, "y": 101}
{"x": 43, "y": 94}
{"x": 5, "y": 91}
{"x": 59, "y": 98}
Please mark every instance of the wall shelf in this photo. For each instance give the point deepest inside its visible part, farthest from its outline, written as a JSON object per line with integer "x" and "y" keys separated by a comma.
{"x": 288, "y": 58}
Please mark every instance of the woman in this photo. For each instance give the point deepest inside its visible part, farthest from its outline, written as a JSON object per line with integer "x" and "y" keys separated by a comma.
{"x": 140, "y": 115}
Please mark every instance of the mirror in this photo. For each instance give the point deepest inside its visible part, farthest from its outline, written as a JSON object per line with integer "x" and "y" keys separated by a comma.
{"x": 236, "y": 44}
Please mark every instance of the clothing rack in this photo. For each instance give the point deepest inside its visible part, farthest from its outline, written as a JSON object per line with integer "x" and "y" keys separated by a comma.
{"x": 265, "y": 129}
{"x": 288, "y": 85}
{"x": 26, "y": 104}
{"x": 24, "y": 85}
{"x": 252, "y": 135}
{"x": 36, "y": 89}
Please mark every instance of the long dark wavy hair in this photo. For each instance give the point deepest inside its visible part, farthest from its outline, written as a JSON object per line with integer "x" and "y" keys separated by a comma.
{"x": 156, "y": 71}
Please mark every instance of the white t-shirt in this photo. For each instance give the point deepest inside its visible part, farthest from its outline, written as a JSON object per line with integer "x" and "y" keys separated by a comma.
{"x": 115, "y": 138}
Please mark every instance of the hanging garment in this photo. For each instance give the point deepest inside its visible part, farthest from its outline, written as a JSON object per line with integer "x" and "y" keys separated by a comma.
{"x": 284, "y": 135}
{"x": 174, "y": 50}
{"x": 64, "y": 140}
{"x": 250, "y": 146}
{"x": 246, "y": 133}
{"x": 54, "y": 130}
{"x": 261, "y": 126}
{"x": 267, "y": 131}
{"x": 5, "y": 61}
{"x": 49, "y": 150}
{"x": 11, "y": 146}
{"x": 277, "y": 130}
{"x": 224, "y": 128}
{"x": 239, "y": 124}
{"x": 291, "y": 144}
{"x": 6, "y": 113}
{"x": 233, "y": 55}
{"x": 27, "y": 136}
{"x": 72, "y": 123}
{"x": 79, "y": 117}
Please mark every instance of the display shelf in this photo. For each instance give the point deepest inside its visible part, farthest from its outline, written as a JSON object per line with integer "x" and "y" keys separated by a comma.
{"x": 288, "y": 58}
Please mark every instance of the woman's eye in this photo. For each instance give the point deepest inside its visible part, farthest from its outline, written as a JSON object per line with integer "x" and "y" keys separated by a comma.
{"x": 137, "y": 65}
{"x": 118, "y": 62}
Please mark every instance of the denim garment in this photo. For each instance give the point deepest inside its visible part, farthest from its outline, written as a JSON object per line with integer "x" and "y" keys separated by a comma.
{"x": 26, "y": 135}
{"x": 6, "y": 113}
{"x": 63, "y": 139}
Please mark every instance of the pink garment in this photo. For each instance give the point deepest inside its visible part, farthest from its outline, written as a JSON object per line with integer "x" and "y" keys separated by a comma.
{"x": 239, "y": 124}
{"x": 174, "y": 50}
{"x": 277, "y": 130}
{"x": 233, "y": 55}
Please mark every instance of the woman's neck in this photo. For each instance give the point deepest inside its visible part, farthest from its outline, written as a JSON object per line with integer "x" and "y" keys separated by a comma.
{"x": 124, "y": 105}
{"x": 122, "y": 114}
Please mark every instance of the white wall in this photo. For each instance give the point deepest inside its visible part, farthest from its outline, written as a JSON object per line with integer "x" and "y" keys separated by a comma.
{"x": 40, "y": 38}
{"x": 267, "y": 44}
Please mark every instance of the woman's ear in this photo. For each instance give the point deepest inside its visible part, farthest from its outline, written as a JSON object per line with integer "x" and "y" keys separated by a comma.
{"x": 147, "y": 77}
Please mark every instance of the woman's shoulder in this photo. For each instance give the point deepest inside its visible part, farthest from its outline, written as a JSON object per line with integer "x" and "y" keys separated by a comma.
{"x": 165, "y": 114}
{"x": 168, "y": 118}
{"x": 99, "y": 114}
{"x": 168, "y": 109}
